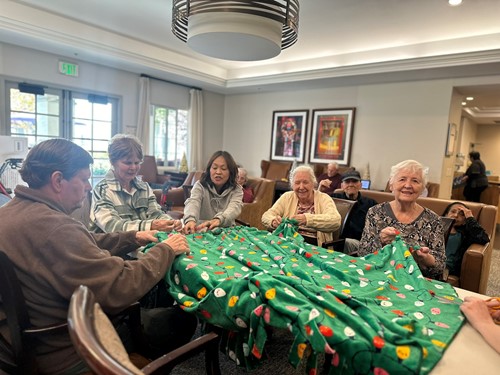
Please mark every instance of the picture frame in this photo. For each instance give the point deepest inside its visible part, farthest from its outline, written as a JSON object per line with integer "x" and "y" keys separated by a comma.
{"x": 288, "y": 137}
{"x": 451, "y": 139}
{"x": 331, "y": 135}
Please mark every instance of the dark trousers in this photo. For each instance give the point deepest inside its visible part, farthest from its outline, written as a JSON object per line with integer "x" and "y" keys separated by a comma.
{"x": 473, "y": 194}
{"x": 165, "y": 326}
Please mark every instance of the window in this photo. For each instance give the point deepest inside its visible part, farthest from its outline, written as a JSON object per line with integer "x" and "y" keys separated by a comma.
{"x": 89, "y": 120}
{"x": 170, "y": 135}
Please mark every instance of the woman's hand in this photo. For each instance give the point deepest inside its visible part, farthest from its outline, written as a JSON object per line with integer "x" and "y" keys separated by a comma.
{"x": 178, "y": 243}
{"x": 189, "y": 227}
{"x": 276, "y": 222}
{"x": 301, "y": 219}
{"x": 467, "y": 213}
{"x": 146, "y": 236}
{"x": 423, "y": 257}
{"x": 208, "y": 225}
{"x": 387, "y": 235}
{"x": 166, "y": 225}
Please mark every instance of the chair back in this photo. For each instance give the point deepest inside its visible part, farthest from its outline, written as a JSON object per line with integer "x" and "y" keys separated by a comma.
{"x": 98, "y": 344}
{"x": 94, "y": 337}
{"x": 344, "y": 207}
{"x": 21, "y": 346}
{"x": 149, "y": 169}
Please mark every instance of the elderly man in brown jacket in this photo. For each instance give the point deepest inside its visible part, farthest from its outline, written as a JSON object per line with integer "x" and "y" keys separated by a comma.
{"x": 53, "y": 254}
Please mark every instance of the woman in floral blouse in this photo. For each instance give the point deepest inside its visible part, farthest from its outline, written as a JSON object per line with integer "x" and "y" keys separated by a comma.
{"x": 418, "y": 226}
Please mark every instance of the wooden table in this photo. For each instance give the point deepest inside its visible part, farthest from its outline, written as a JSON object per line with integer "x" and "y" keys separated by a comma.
{"x": 468, "y": 353}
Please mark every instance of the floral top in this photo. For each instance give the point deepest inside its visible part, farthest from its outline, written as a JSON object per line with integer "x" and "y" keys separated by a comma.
{"x": 425, "y": 230}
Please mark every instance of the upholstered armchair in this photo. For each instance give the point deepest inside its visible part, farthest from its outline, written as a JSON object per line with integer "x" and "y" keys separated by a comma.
{"x": 263, "y": 189}
{"x": 149, "y": 172}
{"x": 175, "y": 197}
{"x": 275, "y": 170}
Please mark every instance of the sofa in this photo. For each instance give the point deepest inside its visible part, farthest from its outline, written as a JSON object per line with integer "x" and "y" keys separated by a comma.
{"x": 477, "y": 259}
{"x": 251, "y": 213}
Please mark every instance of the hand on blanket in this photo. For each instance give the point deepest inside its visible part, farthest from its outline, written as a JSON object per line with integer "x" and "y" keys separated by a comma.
{"x": 387, "y": 235}
{"x": 208, "y": 225}
{"x": 178, "y": 243}
{"x": 166, "y": 225}
{"x": 146, "y": 236}
{"x": 276, "y": 222}
{"x": 423, "y": 257}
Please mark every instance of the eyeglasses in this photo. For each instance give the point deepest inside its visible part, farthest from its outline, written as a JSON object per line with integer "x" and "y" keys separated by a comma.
{"x": 350, "y": 181}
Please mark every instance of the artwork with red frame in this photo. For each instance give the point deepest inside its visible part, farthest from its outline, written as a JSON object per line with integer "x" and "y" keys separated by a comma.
{"x": 331, "y": 135}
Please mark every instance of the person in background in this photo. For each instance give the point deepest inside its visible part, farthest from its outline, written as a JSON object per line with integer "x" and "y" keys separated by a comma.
{"x": 331, "y": 180}
{"x": 475, "y": 178}
{"x": 464, "y": 232}
{"x": 417, "y": 225}
{"x": 216, "y": 199}
{"x": 121, "y": 201}
{"x": 248, "y": 193}
{"x": 315, "y": 211}
{"x": 351, "y": 186}
{"x": 53, "y": 254}
{"x": 484, "y": 316}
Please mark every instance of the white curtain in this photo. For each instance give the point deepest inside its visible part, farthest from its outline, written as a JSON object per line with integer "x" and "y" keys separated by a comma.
{"x": 144, "y": 116}
{"x": 195, "y": 159}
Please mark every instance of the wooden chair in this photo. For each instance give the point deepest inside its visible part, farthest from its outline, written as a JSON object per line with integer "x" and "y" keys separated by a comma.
{"x": 98, "y": 344}
{"x": 23, "y": 335}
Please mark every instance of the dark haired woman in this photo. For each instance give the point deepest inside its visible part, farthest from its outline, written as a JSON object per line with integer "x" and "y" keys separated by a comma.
{"x": 475, "y": 178}
{"x": 216, "y": 199}
{"x": 465, "y": 231}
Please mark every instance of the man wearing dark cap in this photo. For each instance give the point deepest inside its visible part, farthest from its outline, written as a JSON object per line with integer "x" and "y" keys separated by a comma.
{"x": 351, "y": 186}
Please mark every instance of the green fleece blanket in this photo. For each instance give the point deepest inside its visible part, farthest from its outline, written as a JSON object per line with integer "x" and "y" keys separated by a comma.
{"x": 375, "y": 314}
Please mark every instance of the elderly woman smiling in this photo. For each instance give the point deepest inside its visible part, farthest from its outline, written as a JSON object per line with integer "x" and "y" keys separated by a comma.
{"x": 417, "y": 225}
{"x": 315, "y": 211}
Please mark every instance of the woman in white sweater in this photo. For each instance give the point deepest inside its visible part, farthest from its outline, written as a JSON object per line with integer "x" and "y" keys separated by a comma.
{"x": 314, "y": 211}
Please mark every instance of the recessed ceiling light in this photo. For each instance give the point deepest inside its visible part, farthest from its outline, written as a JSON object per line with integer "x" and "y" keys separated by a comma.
{"x": 470, "y": 98}
{"x": 464, "y": 103}
{"x": 454, "y": 3}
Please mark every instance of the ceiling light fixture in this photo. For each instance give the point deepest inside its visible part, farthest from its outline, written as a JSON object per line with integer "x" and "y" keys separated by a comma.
{"x": 241, "y": 30}
{"x": 469, "y": 98}
{"x": 454, "y": 3}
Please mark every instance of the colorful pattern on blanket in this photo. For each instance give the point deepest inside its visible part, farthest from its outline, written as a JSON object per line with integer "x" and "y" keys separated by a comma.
{"x": 375, "y": 314}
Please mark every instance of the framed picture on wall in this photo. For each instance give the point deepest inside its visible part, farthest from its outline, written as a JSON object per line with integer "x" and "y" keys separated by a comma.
{"x": 331, "y": 135}
{"x": 288, "y": 135}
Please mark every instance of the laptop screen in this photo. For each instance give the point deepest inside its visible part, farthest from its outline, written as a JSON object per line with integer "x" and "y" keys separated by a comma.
{"x": 365, "y": 184}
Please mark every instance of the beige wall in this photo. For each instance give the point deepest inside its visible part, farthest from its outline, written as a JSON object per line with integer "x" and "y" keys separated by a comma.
{"x": 393, "y": 122}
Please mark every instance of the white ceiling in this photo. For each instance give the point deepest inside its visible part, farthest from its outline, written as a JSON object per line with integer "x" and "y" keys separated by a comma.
{"x": 340, "y": 42}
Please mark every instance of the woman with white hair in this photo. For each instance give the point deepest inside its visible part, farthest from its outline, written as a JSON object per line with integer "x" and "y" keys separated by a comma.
{"x": 314, "y": 211}
{"x": 417, "y": 225}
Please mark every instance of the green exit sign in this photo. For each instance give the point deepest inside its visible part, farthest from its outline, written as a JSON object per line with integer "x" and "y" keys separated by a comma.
{"x": 68, "y": 69}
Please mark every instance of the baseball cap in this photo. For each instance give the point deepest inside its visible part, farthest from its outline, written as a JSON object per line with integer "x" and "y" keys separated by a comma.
{"x": 351, "y": 175}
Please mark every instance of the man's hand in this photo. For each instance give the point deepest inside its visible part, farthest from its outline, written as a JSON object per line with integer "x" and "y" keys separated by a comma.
{"x": 146, "y": 236}
{"x": 178, "y": 243}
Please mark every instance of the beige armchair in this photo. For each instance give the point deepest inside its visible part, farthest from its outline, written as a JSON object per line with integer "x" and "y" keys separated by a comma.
{"x": 251, "y": 213}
